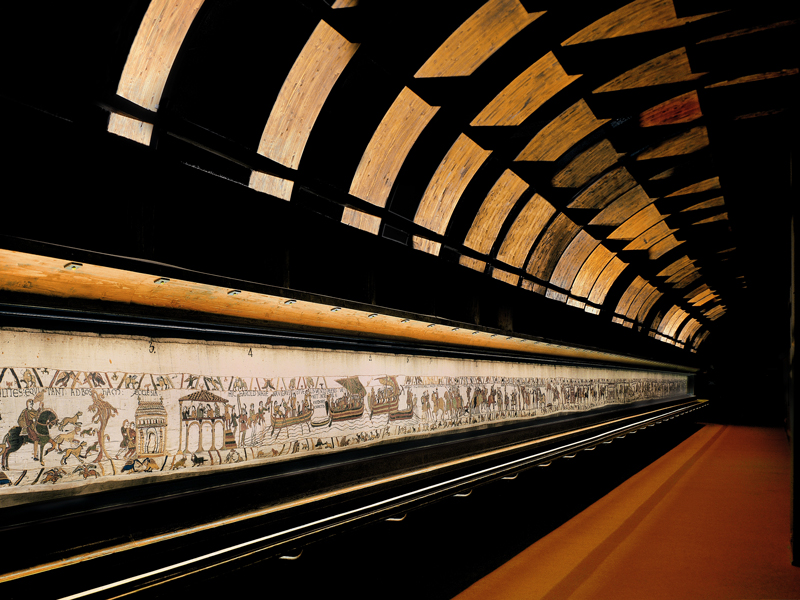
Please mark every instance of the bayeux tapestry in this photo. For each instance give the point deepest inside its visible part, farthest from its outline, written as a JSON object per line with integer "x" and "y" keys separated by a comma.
{"x": 81, "y": 409}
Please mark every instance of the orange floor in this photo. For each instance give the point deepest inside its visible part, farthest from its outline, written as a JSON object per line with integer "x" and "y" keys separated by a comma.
{"x": 708, "y": 520}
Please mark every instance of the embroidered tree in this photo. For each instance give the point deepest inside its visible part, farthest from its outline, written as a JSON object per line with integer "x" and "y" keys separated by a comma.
{"x": 103, "y": 412}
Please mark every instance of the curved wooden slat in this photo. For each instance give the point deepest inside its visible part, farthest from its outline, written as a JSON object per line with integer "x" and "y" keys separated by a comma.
{"x": 525, "y": 230}
{"x": 390, "y": 144}
{"x": 480, "y": 36}
{"x": 361, "y": 220}
{"x": 680, "y": 109}
{"x": 672, "y": 67}
{"x": 704, "y": 299}
{"x": 658, "y": 250}
{"x": 755, "y": 77}
{"x": 682, "y": 272}
{"x": 494, "y": 211}
{"x": 700, "y": 338}
{"x": 305, "y": 90}
{"x": 689, "y": 329}
{"x": 606, "y": 280}
{"x": 449, "y": 181}
{"x": 154, "y": 49}
{"x": 714, "y": 219}
{"x": 696, "y": 188}
{"x": 269, "y": 184}
{"x": 650, "y": 237}
{"x": 551, "y": 246}
{"x": 623, "y": 208}
{"x": 505, "y": 276}
{"x": 586, "y": 165}
{"x": 605, "y": 190}
{"x": 664, "y": 174}
{"x": 520, "y": 99}
{"x": 690, "y": 141}
{"x": 689, "y": 278}
{"x": 560, "y": 134}
{"x": 670, "y": 270}
{"x": 629, "y": 295}
{"x": 590, "y": 271}
{"x": 640, "y": 298}
{"x": 672, "y": 326}
{"x": 472, "y": 263}
{"x": 715, "y": 313}
{"x": 747, "y": 31}
{"x": 573, "y": 259}
{"x": 426, "y": 245}
{"x": 637, "y": 224}
{"x": 648, "y": 304}
{"x": 640, "y": 16}
{"x": 344, "y": 3}
{"x": 713, "y": 203}
{"x": 133, "y": 129}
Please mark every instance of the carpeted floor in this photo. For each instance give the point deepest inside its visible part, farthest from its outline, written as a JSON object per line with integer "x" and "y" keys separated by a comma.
{"x": 708, "y": 520}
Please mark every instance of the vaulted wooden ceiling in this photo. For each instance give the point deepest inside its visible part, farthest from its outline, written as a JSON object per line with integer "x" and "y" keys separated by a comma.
{"x": 577, "y": 151}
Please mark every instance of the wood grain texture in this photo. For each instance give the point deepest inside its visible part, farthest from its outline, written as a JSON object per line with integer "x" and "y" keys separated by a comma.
{"x": 696, "y": 188}
{"x": 681, "y": 273}
{"x": 690, "y": 278}
{"x": 640, "y": 16}
{"x": 449, "y": 181}
{"x": 480, "y": 36}
{"x": 672, "y": 67}
{"x": 269, "y": 184}
{"x": 472, "y": 263}
{"x": 160, "y": 36}
{"x": 672, "y": 325}
{"x": 690, "y": 141}
{"x": 755, "y": 77}
{"x": 663, "y": 175}
{"x": 645, "y": 293}
{"x": 573, "y": 259}
{"x": 575, "y": 303}
{"x": 429, "y": 246}
{"x": 714, "y": 219}
{"x": 390, "y": 144}
{"x": 605, "y": 190}
{"x": 520, "y": 99}
{"x": 590, "y": 271}
{"x": 586, "y": 165}
{"x": 629, "y": 295}
{"x": 525, "y": 230}
{"x": 747, "y": 31}
{"x": 713, "y": 203}
{"x": 361, "y": 220}
{"x": 344, "y": 3}
{"x": 680, "y": 109}
{"x": 623, "y": 208}
{"x": 650, "y": 237}
{"x": 703, "y": 298}
{"x": 674, "y": 267}
{"x": 658, "y": 250}
{"x": 551, "y": 246}
{"x": 700, "y": 338}
{"x": 637, "y": 224}
{"x": 715, "y": 313}
{"x": 647, "y": 305}
{"x": 560, "y": 134}
{"x": 509, "y": 278}
{"x": 304, "y": 91}
{"x": 133, "y": 129}
{"x": 606, "y": 280}
{"x": 689, "y": 329}
{"x": 494, "y": 212}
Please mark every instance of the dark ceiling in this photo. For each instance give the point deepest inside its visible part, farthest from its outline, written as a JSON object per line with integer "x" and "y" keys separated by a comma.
{"x": 724, "y": 74}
